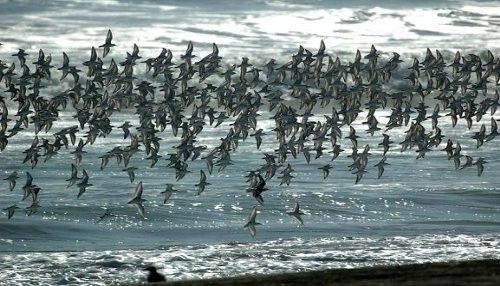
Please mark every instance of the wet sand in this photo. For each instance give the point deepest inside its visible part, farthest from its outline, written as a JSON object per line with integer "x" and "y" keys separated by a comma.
{"x": 471, "y": 273}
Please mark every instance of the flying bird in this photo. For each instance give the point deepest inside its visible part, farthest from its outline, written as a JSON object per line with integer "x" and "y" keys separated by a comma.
{"x": 107, "y": 213}
{"x": 12, "y": 180}
{"x": 258, "y": 189}
{"x": 169, "y": 190}
{"x": 107, "y": 45}
{"x": 326, "y": 170}
{"x": 250, "y": 225}
{"x": 11, "y": 210}
{"x": 296, "y": 213}
{"x": 83, "y": 184}
{"x": 200, "y": 187}
{"x": 137, "y": 200}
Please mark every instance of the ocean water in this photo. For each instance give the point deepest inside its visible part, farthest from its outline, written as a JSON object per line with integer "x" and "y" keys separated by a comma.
{"x": 420, "y": 210}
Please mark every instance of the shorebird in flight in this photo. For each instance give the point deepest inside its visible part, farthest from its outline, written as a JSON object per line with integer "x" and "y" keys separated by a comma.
{"x": 296, "y": 213}
{"x": 11, "y": 210}
{"x": 107, "y": 45}
{"x": 137, "y": 200}
{"x": 250, "y": 225}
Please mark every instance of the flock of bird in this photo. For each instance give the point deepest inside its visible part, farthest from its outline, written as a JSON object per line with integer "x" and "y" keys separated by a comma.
{"x": 185, "y": 96}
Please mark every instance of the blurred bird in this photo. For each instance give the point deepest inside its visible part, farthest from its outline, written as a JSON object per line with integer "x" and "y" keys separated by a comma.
{"x": 131, "y": 173}
{"x": 200, "y": 186}
{"x": 137, "y": 200}
{"x": 83, "y": 184}
{"x": 480, "y": 165}
{"x": 250, "y": 225}
{"x": 74, "y": 176}
{"x": 326, "y": 170}
{"x": 33, "y": 208}
{"x": 258, "y": 189}
{"x": 168, "y": 192}
{"x": 296, "y": 213}
{"x": 10, "y": 211}
{"x": 154, "y": 276}
{"x": 380, "y": 165}
{"x": 106, "y": 214}
{"x": 12, "y": 180}
{"x": 107, "y": 45}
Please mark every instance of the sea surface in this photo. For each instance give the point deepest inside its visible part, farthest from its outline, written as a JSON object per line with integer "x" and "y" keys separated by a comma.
{"x": 420, "y": 210}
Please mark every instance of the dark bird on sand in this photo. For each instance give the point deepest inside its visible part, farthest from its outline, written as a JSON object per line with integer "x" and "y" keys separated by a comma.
{"x": 154, "y": 276}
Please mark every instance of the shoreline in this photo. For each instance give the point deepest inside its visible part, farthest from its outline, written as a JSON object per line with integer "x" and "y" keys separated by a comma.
{"x": 472, "y": 272}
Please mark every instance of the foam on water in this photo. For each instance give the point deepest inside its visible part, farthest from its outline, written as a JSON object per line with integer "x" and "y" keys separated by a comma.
{"x": 260, "y": 28}
{"x": 227, "y": 259}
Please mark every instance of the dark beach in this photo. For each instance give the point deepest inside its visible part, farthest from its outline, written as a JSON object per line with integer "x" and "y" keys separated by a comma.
{"x": 476, "y": 272}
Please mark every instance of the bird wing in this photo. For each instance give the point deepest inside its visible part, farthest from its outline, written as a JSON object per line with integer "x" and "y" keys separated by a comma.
{"x": 138, "y": 193}
{"x": 252, "y": 230}
{"x": 140, "y": 209}
{"x": 167, "y": 194}
{"x": 29, "y": 179}
{"x": 253, "y": 215}
{"x": 136, "y": 50}
{"x": 189, "y": 49}
{"x": 296, "y": 207}
{"x": 109, "y": 37}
